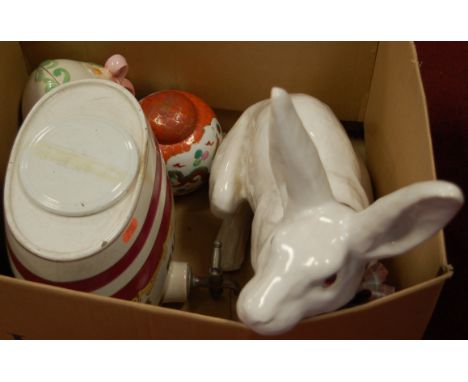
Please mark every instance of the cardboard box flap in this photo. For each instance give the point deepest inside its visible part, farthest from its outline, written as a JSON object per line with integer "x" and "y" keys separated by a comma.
{"x": 399, "y": 147}
{"x": 14, "y": 76}
{"x": 43, "y": 312}
{"x": 234, "y": 75}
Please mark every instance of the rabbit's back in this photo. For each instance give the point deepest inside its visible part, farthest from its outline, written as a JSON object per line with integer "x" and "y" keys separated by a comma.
{"x": 346, "y": 175}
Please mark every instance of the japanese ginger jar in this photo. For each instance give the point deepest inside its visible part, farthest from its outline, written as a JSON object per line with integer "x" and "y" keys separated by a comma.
{"x": 188, "y": 133}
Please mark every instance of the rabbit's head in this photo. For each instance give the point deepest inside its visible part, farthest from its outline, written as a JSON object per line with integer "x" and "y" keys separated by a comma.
{"x": 314, "y": 260}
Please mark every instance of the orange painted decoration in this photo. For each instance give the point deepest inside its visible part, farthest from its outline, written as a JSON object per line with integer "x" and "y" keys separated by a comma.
{"x": 177, "y": 119}
{"x": 127, "y": 235}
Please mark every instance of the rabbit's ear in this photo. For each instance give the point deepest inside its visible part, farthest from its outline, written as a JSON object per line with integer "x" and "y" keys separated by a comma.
{"x": 403, "y": 219}
{"x": 296, "y": 164}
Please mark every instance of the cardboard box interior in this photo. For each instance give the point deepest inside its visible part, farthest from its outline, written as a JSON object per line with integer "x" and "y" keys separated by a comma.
{"x": 377, "y": 84}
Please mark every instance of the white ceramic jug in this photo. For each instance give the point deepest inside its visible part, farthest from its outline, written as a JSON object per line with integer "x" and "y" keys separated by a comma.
{"x": 88, "y": 204}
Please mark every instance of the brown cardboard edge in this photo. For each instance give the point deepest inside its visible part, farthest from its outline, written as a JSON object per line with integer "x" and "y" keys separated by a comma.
{"x": 27, "y": 61}
{"x": 14, "y": 282}
{"x": 364, "y": 104}
{"x": 213, "y": 327}
{"x": 392, "y": 57}
{"x": 417, "y": 62}
{"x": 15, "y": 76}
{"x": 404, "y": 292}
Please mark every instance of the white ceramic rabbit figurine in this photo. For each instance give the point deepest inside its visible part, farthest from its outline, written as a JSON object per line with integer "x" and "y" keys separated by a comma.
{"x": 313, "y": 231}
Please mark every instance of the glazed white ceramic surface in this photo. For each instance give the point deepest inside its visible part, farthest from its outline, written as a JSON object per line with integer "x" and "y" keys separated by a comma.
{"x": 313, "y": 230}
{"x": 88, "y": 205}
{"x": 101, "y": 180}
{"x": 52, "y": 73}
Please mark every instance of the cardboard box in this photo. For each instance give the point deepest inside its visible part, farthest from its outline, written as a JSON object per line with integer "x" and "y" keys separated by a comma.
{"x": 376, "y": 83}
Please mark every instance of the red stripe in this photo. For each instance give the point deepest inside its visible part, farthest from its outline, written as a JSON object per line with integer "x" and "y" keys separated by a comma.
{"x": 143, "y": 277}
{"x": 101, "y": 279}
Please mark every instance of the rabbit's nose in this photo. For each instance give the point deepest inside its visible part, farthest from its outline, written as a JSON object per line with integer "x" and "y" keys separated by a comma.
{"x": 253, "y": 318}
{"x": 253, "y": 313}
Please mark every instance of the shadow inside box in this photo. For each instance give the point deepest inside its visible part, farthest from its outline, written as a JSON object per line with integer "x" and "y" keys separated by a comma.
{"x": 5, "y": 268}
{"x": 196, "y": 231}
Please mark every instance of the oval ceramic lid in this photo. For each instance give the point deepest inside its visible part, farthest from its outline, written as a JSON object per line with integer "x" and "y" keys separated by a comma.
{"x": 78, "y": 166}
{"x": 76, "y": 175}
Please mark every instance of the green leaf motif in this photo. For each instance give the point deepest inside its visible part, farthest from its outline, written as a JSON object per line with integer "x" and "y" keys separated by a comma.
{"x": 198, "y": 154}
{"x": 49, "y": 64}
{"x": 66, "y": 74}
{"x": 49, "y": 85}
{"x": 39, "y": 75}
{"x": 42, "y": 76}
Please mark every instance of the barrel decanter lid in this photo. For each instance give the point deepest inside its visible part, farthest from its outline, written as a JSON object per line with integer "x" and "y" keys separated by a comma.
{"x": 74, "y": 174}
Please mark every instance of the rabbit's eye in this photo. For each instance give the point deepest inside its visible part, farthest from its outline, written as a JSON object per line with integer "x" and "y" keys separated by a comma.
{"x": 329, "y": 281}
